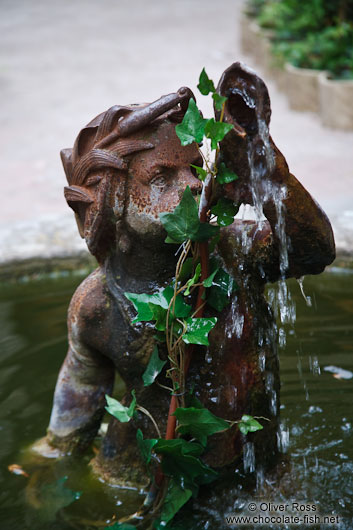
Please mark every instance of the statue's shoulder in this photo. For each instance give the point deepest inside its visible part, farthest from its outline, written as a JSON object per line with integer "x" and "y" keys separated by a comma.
{"x": 90, "y": 297}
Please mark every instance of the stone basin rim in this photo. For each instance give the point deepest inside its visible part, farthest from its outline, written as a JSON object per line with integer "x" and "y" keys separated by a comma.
{"x": 82, "y": 262}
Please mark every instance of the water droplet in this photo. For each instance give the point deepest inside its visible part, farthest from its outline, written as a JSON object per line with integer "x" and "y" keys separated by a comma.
{"x": 208, "y": 357}
{"x": 283, "y": 438}
{"x": 281, "y": 337}
{"x": 273, "y": 402}
{"x": 314, "y": 365}
{"x": 262, "y": 361}
{"x": 235, "y": 321}
{"x": 346, "y": 427}
{"x": 269, "y": 379}
{"x": 260, "y": 479}
{"x": 296, "y": 430}
{"x": 307, "y": 299}
{"x": 314, "y": 409}
{"x": 249, "y": 457}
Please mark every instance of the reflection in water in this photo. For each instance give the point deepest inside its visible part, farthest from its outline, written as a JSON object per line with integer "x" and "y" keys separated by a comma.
{"x": 315, "y": 432}
{"x": 10, "y": 342}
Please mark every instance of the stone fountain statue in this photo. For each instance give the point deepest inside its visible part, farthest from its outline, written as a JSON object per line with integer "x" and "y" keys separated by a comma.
{"x": 127, "y": 166}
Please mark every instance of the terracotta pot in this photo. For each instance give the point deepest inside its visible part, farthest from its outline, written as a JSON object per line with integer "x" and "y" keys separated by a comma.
{"x": 336, "y": 98}
{"x": 302, "y": 88}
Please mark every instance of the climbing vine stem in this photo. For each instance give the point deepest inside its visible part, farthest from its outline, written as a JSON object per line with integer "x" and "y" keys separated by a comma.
{"x": 174, "y": 461}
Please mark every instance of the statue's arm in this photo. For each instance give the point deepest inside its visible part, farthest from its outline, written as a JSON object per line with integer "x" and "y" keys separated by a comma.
{"x": 247, "y": 150}
{"x": 308, "y": 233}
{"x": 79, "y": 399}
{"x": 85, "y": 377}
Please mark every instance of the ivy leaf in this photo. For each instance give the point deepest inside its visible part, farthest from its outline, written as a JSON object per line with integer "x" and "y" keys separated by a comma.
{"x": 216, "y": 131}
{"x": 225, "y": 210}
{"x": 153, "y": 369}
{"x": 193, "y": 280}
{"x": 206, "y": 84}
{"x": 180, "y": 461}
{"x": 163, "y": 298}
{"x": 198, "y": 329}
{"x": 119, "y": 411}
{"x": 183, "y": 223}
{"x": 155, "y": 306}
{"x": 141, "y": 303}
{"x": 192, "y": 128}
{"x": 160, "y": 317}
{"x": 201, "y": 173}
{"x": 192, "y": 471}
{"x": 199, "y": 423}
{"x": 177, "y": 446}
{"x": 175, "y": 498}
{"x": 223, "y": 286}
{"x": 208, "y": 282}
{"x": 181, "y": 309}
{"x": 205, "y": 231}
{"x": 145, "y": 446}
{"x": 170, "y": 240}
{"x": 218, "y": 100}
{"x": 249, "y": 424}
{"x": 225, "y": 175}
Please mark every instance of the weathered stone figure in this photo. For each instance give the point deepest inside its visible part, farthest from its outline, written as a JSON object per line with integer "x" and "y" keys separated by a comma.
{"x": 125, "y": 168}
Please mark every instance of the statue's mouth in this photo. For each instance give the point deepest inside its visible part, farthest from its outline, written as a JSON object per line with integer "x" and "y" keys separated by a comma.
{"x": 242, "y": 108}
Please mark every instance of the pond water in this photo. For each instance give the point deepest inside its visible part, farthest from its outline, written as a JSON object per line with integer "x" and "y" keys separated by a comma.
{"x": 316, "y": 411}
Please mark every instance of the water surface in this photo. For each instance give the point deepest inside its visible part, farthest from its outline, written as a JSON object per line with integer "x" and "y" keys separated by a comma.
{"x": 316, "y": 411}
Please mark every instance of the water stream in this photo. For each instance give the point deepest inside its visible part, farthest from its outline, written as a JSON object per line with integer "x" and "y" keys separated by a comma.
{"x": 316, "y": 417}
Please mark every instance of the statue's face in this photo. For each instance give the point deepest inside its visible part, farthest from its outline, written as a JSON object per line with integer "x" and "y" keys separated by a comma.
{"x": 155, "y": 183}
{"x": 157, "y": 179}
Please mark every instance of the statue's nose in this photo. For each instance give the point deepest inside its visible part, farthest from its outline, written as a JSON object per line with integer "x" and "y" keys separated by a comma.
{"x": 186, "y": 178}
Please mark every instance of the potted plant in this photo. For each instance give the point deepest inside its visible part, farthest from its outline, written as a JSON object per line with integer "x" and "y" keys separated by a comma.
{"x": 336, "y": 85}
{"x": 313, "y": 41}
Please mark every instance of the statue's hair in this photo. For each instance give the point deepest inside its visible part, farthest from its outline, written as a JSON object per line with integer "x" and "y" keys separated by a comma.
{"x": 86, "y": 156}
{"x": 99, "y": 147}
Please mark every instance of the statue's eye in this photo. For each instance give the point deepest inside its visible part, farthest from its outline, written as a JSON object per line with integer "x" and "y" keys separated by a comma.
{"x": 159, "y": 181}
{"x": 91, "y": 181}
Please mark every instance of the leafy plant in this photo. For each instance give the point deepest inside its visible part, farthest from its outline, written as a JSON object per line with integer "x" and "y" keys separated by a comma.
{"x": 331, "y": 50}
{"x": 249, "y": 424}
{"x": 199, "y": 423}
{"x": 121, "y": 413}
{"x": 176, "y": 462}
{"x": 184, "y": 222}
{"x": 315, "y": 34}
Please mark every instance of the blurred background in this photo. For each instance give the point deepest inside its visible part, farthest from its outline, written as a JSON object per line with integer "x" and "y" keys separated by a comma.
{"x": 63, "y": 63}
